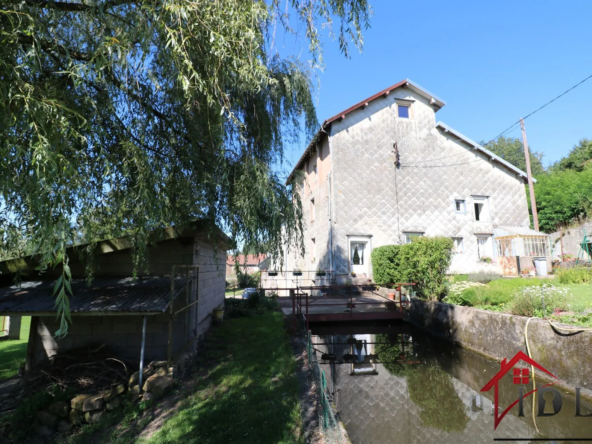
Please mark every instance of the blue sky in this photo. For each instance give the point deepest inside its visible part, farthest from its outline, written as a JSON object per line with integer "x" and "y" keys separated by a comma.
{"x": 492, "y": 62}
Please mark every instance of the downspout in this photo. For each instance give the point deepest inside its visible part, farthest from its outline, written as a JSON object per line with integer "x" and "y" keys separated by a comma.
{"x": 330, "y": 184}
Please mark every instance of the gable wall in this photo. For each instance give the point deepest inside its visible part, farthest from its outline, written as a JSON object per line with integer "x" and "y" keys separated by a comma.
{"x": 365, "y": 193}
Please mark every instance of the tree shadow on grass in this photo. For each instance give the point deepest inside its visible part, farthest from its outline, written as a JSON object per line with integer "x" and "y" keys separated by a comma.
{"x": 12, "y": 353}
{"x": 251, "y": 396}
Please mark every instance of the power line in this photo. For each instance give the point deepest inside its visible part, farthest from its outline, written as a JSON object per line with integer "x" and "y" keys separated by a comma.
{"x": 540, "y": 108}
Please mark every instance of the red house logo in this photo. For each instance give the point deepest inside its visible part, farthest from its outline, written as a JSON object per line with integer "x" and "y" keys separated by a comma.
{"x": 520, "y": 376}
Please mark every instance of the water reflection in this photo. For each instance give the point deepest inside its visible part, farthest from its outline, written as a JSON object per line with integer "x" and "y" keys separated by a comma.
{"x": 394, "y": 383}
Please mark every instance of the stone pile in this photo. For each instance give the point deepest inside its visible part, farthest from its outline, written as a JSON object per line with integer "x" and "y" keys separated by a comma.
{"x": 61, "y": 416}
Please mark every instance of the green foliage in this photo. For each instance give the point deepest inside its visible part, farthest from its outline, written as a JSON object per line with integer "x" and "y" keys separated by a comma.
{"x": 529, "y": 301}
{"x": 424, "y": 262}
{"x": 246, "y": 280}
{"x": 121, "y": 116}
{"x": 431, "y": 389}
{"x": 577, "y": 275}
{"x": 563, "y": 196}
{"x": 459, "y": 278}
{"x": 577, "y": 159}
{"x": 466, "y": 297}
{"x": 386, "y": 264}
{"x": 255, "y": 305}
{"x": 512, "y": 150}
{"x": 25, "y": 414}
{"x": 14, "y": 352}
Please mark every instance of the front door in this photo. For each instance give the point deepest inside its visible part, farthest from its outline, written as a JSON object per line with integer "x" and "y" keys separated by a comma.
{"x": 359, "y": 258}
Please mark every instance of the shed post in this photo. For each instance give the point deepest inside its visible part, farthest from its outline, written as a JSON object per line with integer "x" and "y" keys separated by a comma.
{"x": 142, "y": 352}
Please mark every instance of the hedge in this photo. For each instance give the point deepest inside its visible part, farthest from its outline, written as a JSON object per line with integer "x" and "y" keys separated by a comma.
{"x": 423, "y": 261}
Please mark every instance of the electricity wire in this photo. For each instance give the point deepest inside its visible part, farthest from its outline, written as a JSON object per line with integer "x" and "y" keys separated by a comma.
{"x": 540, "y": 108}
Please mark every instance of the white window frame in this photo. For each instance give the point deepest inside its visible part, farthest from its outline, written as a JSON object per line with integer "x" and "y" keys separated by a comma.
{"x": 313, "y": 210}
{"x": 409, "y": 235}
{"x": 485, "y": 215}
{"x": 461, "y": 243}
{"x": 406, "y": 103}
{"x": 368, "y": 258}
{"x": 313, "y": 249}
{"x": 489, "y": 237}
{"x": 463, "y": 209}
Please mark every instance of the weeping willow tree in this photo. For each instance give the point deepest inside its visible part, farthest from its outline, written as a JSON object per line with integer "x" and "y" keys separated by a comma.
{"x": 120, "y": 116}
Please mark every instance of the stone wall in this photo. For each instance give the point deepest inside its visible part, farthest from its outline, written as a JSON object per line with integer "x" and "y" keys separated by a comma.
{"x": 572, "y": 238}
{"x": 499, "y": 336}
{"x": 123, "y": 333}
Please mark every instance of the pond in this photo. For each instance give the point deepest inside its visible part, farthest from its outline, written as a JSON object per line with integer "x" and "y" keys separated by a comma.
{"x": 394, "y": 383}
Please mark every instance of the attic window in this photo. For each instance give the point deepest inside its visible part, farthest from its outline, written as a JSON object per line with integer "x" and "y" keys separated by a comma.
{"x": 403, "y": 111}
{"x": 460, "y": 206}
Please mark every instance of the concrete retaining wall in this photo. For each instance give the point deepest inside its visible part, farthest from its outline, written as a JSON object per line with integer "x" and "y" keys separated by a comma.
{"x": 499, "y": 336}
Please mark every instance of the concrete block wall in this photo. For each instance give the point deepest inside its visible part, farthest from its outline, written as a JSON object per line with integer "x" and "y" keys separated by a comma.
{"x": 572, "y": 238}
{"x": 123, "y": 333}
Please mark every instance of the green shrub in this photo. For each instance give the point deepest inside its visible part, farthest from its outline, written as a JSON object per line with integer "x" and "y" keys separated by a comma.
{"x": 529, "y": 300}
{"x": 246, "y": 280}
{"x": 459, "y": 278}
{"x": 578, "y": 275}
{"x": 386, "y": 265}
{"x": 424, "y": 261}
{"x": 467, "y": 298}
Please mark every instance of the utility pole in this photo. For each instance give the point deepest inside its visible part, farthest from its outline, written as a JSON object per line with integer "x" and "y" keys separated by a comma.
{"x": 535, "y": 216}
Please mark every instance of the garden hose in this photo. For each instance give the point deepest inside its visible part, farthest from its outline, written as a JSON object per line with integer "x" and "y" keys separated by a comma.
{"x": 557, "y": 327}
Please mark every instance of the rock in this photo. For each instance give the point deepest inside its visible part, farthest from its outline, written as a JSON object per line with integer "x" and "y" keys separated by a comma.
{"x": 113, "y": 404}
{"x": 135, "y": 377}
{"x": 114, "y": 392}
{"x": 93, "y": 417}
{"x": 161, "y": 371}
{"x": 48, "y": 419}
{"x": 60, "y": 408}
{"x": 76, "y": 417}
{"x": 158, "y": 385}
{"x": 134, "y": 389}
{"x": 42, "y": 429}
{"x": 93, "y": 403}
{"x": 78, "y": 401}
{"x": 158, "y": 364}
{"x": 148, "y": 397}
{"x": 64, "y": 426}
{"x": 174, "y": 372}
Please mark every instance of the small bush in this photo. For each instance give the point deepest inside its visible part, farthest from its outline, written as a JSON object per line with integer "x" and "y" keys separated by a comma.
{"x": 467, "y": 298}
{"x": 424, "y": 262}
{"x": 246, "y": 280}
{"x": 386, "y": 264}
{"x": 529, "y": 300}
{"x": 579, "y": 275}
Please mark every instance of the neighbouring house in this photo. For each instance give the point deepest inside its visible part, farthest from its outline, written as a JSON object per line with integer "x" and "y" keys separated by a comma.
{"x": 385, "y": 171}
{"x": 574, "y": 243}
{"x": 164, "y": 309}
{"x": 247, "y": 263}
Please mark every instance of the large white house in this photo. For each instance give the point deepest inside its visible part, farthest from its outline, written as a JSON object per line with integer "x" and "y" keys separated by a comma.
{"x": 385, "y": 170}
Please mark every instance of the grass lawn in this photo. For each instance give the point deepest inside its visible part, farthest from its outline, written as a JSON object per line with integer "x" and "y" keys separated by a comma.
{"x": 13, "y": 353}
{"x": 249, "y": 396}
{"x": 500, "y": 294}
{"x": 230, "y": 293}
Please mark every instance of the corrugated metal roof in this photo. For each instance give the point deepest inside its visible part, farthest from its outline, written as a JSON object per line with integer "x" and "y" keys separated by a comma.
{"x": 105, "y": 295}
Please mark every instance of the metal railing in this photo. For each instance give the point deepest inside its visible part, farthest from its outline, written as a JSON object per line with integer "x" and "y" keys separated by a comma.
{"x": 302, "y": 301}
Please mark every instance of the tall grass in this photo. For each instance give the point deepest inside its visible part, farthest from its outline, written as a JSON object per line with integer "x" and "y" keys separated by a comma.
{"x": 578, "y": 275}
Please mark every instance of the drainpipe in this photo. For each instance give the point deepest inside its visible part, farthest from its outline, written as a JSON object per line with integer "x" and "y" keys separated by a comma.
{"x": 142, "y": 353}
{"x": 330, "y": 184}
